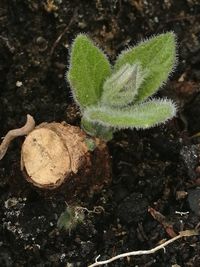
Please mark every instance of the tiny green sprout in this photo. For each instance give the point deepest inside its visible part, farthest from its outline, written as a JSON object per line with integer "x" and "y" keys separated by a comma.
{"x": 70, "y": 218}
{"x": 75, "y": 215}
{"x": 120, "y": 96}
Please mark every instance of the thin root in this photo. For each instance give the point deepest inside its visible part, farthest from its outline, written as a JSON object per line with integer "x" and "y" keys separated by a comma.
{"x": 12, "y": 134}
{"x": 185, "y": 233}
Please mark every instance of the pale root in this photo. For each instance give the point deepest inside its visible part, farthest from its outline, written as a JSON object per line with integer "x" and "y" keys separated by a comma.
{"x": 57, "y": 153}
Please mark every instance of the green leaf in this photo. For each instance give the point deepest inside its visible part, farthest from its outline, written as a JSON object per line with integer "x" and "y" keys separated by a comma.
{"x": 145, "y": 115}
{"x": 89, "y": 68}
{"x": 157, "y": 55}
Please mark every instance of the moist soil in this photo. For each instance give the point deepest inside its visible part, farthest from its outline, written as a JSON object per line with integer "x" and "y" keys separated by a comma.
{"x": 155, "y": 172}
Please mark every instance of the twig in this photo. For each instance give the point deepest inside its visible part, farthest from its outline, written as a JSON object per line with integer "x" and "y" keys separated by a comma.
{"x": 63, "y": 32}
{"x": 179, "y": 18}
{"x": 12, "y": 134}
{"x": 145, "y": 252}
{"x": 163, "y": 221}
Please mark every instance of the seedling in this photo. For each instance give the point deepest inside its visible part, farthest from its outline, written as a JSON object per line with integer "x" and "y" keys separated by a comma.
{"x": 75, "y": 215}
{"x": 120, "y": 96}
{"x": 70, "y": 218}
{"x": 110, "y": 98}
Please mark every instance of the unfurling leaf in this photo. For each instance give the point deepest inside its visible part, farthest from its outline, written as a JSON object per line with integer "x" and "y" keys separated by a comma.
{"x": 120, "y": 88}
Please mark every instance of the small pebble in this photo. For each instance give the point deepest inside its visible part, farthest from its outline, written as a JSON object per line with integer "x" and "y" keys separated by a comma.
{"x": 19, "y": 83}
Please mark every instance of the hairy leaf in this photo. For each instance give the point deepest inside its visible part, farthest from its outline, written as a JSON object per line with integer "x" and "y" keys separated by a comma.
{"x": 145, "y": 115}
{"x": 158, "y": 55}
{"x": 88, "y": 69}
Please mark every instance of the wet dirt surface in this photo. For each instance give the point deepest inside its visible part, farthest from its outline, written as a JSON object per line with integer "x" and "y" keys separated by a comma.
{"x": 155, "y": 168}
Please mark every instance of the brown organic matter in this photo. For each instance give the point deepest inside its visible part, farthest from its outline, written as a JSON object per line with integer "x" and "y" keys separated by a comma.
{"x": 58, "y": 153}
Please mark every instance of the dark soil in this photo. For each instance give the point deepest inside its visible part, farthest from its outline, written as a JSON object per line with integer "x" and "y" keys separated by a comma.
{"x": 154, "y": 168}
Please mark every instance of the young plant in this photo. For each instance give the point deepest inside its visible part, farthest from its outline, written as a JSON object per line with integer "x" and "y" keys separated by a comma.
{"x": 70, "y": 218}
{"x": 120, "y": 96}
{"x": 110, "y": 98}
